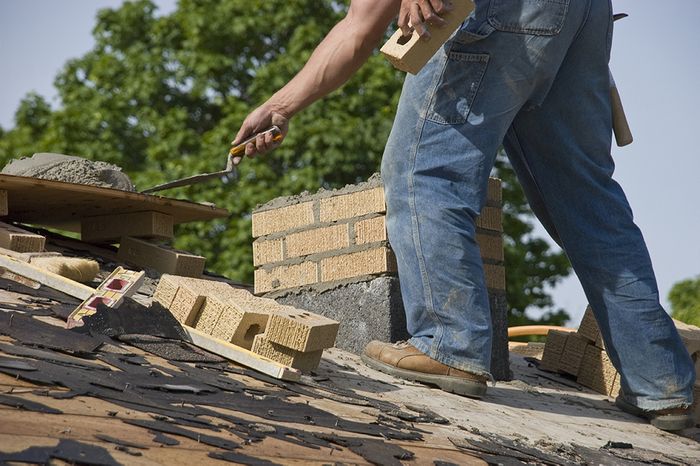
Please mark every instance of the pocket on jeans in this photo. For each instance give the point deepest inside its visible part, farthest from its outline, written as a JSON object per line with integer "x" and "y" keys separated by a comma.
{"x": 537, "y": 17}
{"x": 455, "y": 92}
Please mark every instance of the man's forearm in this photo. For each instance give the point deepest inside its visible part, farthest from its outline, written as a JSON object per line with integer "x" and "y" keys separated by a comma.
{"x": 344, "y": 50}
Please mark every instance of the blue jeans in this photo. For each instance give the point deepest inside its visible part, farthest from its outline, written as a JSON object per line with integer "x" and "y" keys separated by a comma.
{"x": 533, "y": 77}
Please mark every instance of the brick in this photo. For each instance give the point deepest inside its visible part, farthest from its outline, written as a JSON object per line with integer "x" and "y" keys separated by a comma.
{"x": 186, "y": 306}
{"x": 3, "y": 203}
{"x": 301, "y": 330}
{"x": 161, "y": 258}
{"x": 490, "y": 219}
{"x": 597, "y": 372}
{"x": 239, "y": 327}
{"x": 317, "y": 240}
{"x": 184, "y": 296}
{"x": 371, "y": 230}
{"x": 285, "y": 276}
{"x": 19, "y": 240}
{"x": 572, "y": 356}
{"x": 491, "y": 246}
{"x": 553, "y": 349}
{"x": 111, "y": 228}
{"x": 166, "y": 289}
{"x": 375, "y": 261}
{"x": 495, "y": 276}
{"x": 303, "y": 361}
{"x": 209, "y": 315}
{"x": 283, "y": 219}
{"x": 267, "y": 251}
{"x": 588, "y": 328}
{"x": 352, "y": 205}
{"x": 494, "y": 193}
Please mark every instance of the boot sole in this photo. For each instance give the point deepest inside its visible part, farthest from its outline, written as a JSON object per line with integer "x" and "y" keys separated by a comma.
{"x": 447, "y": 383}
{"x": 667, "y": 422}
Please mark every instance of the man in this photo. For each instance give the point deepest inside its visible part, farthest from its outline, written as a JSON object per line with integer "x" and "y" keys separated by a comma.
{"x": 533, "y": 77}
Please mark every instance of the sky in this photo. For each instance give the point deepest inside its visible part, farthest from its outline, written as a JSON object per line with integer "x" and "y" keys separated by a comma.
{"x": 655, "y": 61}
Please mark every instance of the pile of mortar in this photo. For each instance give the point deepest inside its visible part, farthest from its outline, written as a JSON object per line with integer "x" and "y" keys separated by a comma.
{"x": 70, "y": 169}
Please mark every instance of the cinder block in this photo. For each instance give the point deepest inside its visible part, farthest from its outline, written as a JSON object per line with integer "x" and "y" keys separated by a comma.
{"x": 161, "y": 258}
{"x": 283, "y": 219}
{"x": 267, "y": 251}
{"x": 285, "y": 276}
{"x": 495, "y": 276}
{"x": 374, "y": 261}
{"x": 352, "y": 205}
{"x": 494, "y": 193}
{"x": 317, "y": 240}
{"x": 490, "y": 218}
{"x": 491, "y": 246}
{"x": 3, "y": 203}
{"x": 301, "y": 330}
{"x": 19, "y": 240}
{"x": 371, "y": 230}
{"x": 589, "y": 326}
{"x": 306, "y": 362}
{"x": 597, "y": 372}
{"x": 571, "y": 358}
{"x": 553, "y": 349}
{"x": 111, "y": 228}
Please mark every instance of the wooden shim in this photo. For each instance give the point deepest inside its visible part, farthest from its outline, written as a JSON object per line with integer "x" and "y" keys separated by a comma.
{"x": 110, "y": 228}
{"x": 161, "y": 258}
{"x": 57, "y": 282}
{"x": 241, "y": 356}
{"x": 19, "y": 240}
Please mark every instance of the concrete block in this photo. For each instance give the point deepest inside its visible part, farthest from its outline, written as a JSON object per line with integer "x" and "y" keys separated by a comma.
{"x": 3, "y": 203}
{"x": 589, "y": 326}
{"x": 317, "y": 240}
{"x": 495, "y": 277}
{"x": 371, "y": 230}
{"x": 285, "y": 276}
{"x": 161, "y": 258}
{"x": 553, "y": 349}
{"x": 352, "y": 205}
{"x": 491, "y": 246}
{"x": 490, "y": 219}
{"x": 283, "y": 219}
{"x": 19, "y": 240}
{"x": 374, "y": 261}
{"x": 305, "y": 362}
{"x": 597, "y": 372}
{"x": 571, "y": 358}
{"x": 111, "y": 228}
{"x": 267, "y": 251}
{"x": 301, "y": 330}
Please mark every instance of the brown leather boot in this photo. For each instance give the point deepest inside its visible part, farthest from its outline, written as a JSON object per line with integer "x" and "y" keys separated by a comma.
{"x": 403, "y": 360}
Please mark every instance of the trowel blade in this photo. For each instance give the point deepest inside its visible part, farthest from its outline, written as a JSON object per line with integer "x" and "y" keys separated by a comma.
{"x": 188, "y": 181}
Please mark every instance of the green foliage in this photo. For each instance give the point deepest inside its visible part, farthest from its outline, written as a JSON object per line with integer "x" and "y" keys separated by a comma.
{"x": 162, "y": 96}
{"x": 685, "y": 301}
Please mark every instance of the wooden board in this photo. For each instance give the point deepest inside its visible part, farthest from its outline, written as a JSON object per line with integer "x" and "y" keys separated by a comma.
{"x": 62, "y": 205}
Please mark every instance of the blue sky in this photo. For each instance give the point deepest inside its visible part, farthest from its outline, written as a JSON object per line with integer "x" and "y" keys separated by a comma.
{"x": 655, "y": 60}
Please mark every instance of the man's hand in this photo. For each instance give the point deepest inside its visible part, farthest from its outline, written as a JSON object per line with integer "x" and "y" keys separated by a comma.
{"x": 415, "y": 14}
{"x": 259, "y": 120}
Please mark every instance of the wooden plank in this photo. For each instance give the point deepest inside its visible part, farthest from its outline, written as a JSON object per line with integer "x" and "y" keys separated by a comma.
{"x": 110, "y": 228}
{"x": 3, "y": 203}
{"x": 52, "y": 280}
{"x": 62, "y": 205}
{"x": 241, "y": 355}
{"x": 19, "y": 240}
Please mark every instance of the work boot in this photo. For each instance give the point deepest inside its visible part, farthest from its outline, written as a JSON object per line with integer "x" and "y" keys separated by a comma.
{"x": 670, "y": 420}
{"x": 403, "y": 360}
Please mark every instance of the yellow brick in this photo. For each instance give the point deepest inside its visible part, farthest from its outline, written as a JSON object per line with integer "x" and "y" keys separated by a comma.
{"x": 352, "y": 205}
{"x": 161, "y": 258}
{"x": 209, "y": 315}
{"x": 303, "y": 361}
{"x": 267, "y": 251}
{"x": 495, "y": 192}
{"x": 371, "y": 230}
{"x": 3, "y": 203}
{"x": 589, "y": 327}
{"x": 491, "y": 246}
{"x": 283, "y": 219}
{"x": 358, "y": 264}
{"x": 19, "y": 240}
{"x": 186, "y": 305}
{"x": 553, "y": 349}
{"x": 495, "y": 276}
{"x": 166, "y": 290}
{"x": 285, "y": 276}
{"x": 490, "y": 219}
{"x": 111, "y": 228}
{"x": 317, "y": 240}
{"x": 597, "y": 372}
{"x": 571, "y": 358}
{"x": 234, "y": 325}
{"x": 301, "y": 330}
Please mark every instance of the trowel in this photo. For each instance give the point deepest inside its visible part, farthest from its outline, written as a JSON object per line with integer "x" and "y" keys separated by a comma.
{"x": 235, "y": 151}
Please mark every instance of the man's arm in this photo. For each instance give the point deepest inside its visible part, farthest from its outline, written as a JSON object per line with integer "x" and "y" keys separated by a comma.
{"x": 343, "y": 51}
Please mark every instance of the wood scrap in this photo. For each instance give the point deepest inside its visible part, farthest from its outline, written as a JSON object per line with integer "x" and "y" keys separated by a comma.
{"x": 19, "y": 240}
{"x": 52, "y": 280}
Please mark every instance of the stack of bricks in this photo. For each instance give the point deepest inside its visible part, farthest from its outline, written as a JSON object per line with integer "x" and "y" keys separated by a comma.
{"x": 582, "y": 354}
{"x": 335, "y": 237}
{"x": 284, "y": 334}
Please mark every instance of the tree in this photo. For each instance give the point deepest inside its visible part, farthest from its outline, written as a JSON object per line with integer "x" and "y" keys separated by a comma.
{"x": 162, "y": 97}
{"x": 685, "y": 301}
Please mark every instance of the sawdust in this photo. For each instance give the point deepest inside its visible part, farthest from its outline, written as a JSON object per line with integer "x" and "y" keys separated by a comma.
{"x": 70, "y": 169}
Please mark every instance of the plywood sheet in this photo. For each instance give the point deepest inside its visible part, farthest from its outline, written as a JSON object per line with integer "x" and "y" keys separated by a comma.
{"x": 62, "y": 205}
